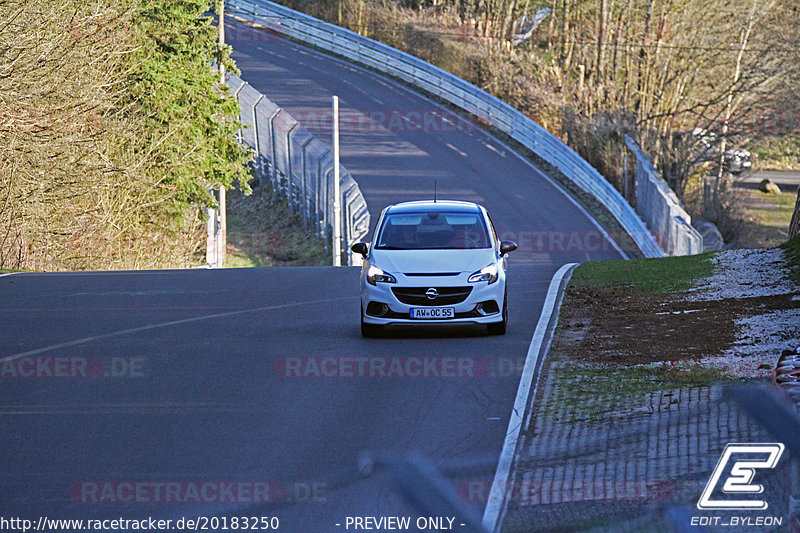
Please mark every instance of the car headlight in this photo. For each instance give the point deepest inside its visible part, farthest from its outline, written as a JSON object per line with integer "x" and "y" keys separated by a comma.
{"x": 376, "y": 275}
{"x": 487, "y": 273}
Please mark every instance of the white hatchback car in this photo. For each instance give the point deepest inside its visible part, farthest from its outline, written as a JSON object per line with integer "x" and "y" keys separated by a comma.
{"x": 434, "y": 262}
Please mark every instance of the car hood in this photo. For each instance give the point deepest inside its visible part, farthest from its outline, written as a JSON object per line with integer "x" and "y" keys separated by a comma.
{"x": 433, "y": 261}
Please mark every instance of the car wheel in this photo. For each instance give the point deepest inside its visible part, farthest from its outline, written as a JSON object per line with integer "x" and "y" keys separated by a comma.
{"x": 499, "y": 328}
{"x": 368, "y": 331}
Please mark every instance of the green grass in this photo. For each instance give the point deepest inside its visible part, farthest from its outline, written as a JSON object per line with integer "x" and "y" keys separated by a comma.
{"x": 241, "y": 260}
{"x": 768, "y": 222}
{"x": 792, "y": 248}
{"x": 781, "y": 215}
{"x": 661, "y": 275}
{"x": 262, "y": 232}
{"x": 780, "y": 152}
{"x": 588, "y": 390}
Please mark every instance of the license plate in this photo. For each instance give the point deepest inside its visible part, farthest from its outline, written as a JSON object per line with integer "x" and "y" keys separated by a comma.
{"x": 433, "y": 313}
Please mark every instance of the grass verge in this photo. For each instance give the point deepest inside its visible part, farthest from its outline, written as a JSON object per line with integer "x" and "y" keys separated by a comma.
{"x": 792, "y": 248}
{"x": 778, "y": 152}
{"x": 624, "y": 334}
{"x": 660, "y": 275}
{"x": 586, "y": 391}
{"x": 766, "y": 220}
{"x": 263, "y": 231}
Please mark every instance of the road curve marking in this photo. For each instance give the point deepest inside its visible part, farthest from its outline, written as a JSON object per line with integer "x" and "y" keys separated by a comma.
{"x": 569, "y": 198}
{"x": 415, "y": 92}
{"x": 128, "y": 408}
{"x": 528, "y": 383}
{"x": 85, "y": 340}
{"x": 400, "y": 86}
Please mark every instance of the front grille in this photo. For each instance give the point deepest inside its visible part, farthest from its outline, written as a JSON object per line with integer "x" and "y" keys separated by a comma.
{"x": 430, "y": 274}
{"x": 417, "y": 296}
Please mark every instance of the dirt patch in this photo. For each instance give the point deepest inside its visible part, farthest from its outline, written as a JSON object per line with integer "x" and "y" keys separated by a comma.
{"x": 631, "y": 327}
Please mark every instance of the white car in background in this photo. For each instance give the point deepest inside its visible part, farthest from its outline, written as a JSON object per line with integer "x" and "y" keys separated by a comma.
{"x": 433, "y": 263}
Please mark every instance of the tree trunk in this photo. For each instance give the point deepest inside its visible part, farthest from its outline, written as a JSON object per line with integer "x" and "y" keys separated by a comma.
{"x": 744, "y": 40}
{"x": 565, "y": 34}
{"x": 551, "y": 24}
{"x": 601, "y": 42}
{"x": 794, "y": 226}
{"x": 642, "y": 71}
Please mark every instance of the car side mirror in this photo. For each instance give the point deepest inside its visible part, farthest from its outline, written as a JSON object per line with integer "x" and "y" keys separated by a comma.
{"x": 506, "y": 247}
{"x": 362, "y": 248}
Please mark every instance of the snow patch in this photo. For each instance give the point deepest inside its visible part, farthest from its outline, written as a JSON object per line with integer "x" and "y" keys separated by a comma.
{"x": 750, "y": 274}
{"x": 746, "y": 274}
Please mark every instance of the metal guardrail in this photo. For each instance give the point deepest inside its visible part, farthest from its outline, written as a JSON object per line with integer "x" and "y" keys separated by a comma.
{"x": 300, "y": 167}
{"x": 661, "y": 209}
{"x": 458, "y": 92}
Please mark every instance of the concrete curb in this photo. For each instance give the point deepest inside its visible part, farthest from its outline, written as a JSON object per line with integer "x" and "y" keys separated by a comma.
{"x": 502, "y": 484}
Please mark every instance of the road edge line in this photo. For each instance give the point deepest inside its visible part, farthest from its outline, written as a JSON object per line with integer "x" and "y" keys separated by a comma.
{"x": 496, "y": 503}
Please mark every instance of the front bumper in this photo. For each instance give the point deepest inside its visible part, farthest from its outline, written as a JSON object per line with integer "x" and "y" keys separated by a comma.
{"x": 469, "y": 311}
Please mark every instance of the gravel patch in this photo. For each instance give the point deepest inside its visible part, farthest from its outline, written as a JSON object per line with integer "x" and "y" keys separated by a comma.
{"x": 762, "y": 336}
{"x": 746, "y": 274}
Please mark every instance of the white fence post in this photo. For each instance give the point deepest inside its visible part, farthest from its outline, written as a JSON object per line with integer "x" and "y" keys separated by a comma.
{"x": 336, "y": 244}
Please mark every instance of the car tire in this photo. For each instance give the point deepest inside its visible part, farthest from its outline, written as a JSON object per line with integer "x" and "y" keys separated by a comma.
{"x": 499, "y": 328}
{"x": 368, "y": 331}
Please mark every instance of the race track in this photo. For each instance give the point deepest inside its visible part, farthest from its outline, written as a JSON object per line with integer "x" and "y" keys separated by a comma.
{"x": 115, "y": 382}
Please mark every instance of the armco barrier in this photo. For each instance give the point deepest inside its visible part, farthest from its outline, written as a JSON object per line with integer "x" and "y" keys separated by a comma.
{"x": 300, "y": 167}
{"x": 456, "y": 91}
{"x": 660, "y": 208}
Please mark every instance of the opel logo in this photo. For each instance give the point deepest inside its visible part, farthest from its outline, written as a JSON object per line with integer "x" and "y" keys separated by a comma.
{"x": 432, "y": 293}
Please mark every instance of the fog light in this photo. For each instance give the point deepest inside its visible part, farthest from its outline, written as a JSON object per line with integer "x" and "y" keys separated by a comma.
{"x": 488, "y": 308}
{"x": 377, "y": 309}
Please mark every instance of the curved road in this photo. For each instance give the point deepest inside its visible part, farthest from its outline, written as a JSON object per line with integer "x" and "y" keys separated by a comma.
{"x": 184, "y": 393}
{"x": 395, "y": 143}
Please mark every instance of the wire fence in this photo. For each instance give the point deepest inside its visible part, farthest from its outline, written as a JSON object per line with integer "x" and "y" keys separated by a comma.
{"x": 644, "y": 466}
{"x": 300, "y": 168}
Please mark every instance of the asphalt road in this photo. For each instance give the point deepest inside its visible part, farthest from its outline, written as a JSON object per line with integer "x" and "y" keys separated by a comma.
{"x": 788, "y": 181}
{"x": 149, "y": 386}
{"x": 202, "y": 385}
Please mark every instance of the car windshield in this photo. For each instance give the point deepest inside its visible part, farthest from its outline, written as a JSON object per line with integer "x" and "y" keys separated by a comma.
{"x": 433, "y": 230}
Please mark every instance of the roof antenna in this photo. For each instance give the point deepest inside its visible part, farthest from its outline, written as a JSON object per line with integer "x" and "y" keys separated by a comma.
{"x": 434, "y": 191}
